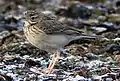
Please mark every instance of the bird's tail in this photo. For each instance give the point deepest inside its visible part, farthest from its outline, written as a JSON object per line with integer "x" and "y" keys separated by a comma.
{"x": 84, "y": 37}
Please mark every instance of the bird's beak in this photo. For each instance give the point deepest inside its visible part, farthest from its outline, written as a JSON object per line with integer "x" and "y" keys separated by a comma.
{"x": 23, "y": 20}
{"x": 24, "y": 13}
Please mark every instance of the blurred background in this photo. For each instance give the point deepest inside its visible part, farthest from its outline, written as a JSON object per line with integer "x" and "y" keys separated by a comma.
{"x": 87, "y": 60}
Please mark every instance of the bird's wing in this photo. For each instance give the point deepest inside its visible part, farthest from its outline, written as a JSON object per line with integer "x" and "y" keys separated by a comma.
{"x": 52, "y": 26}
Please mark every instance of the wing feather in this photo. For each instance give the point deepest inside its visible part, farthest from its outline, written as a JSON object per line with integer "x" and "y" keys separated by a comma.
{"x": 53, "y": 26}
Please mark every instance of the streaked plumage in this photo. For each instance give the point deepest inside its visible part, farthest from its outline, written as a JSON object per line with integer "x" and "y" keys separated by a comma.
{"x": 48, "y": 34}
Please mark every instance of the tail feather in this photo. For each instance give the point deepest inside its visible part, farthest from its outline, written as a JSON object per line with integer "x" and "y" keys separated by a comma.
{"x": 83, "y": 37}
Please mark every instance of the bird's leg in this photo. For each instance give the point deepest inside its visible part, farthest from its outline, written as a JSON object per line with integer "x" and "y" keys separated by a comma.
{"x": 53, "y": 61}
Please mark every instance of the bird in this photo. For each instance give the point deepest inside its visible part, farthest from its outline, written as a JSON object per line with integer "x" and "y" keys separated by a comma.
{"x": 47, "y": 33}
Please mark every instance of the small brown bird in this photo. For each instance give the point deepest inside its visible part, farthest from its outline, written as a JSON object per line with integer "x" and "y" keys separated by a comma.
{"x": 48, "y": 34}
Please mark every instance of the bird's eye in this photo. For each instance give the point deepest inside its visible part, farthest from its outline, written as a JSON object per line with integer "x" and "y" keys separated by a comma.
{"x": 32, "y": 18}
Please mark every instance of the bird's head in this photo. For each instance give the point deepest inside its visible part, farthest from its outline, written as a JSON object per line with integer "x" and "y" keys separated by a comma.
{"x": 31, "y": 17}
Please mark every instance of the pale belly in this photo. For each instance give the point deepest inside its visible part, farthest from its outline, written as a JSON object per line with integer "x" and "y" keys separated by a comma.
{"x": 49, "y": 43}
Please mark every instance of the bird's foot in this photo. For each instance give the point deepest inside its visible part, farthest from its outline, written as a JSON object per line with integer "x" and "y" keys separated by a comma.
{"x": 52, "y": 63}
{"x": 47, "y": 70}
{"x": 50, "y": 67}
{"x": 41, "y": 71}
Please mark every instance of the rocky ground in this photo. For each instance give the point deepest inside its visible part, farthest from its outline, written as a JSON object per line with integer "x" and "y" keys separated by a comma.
{"x": 85, "y": 60}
